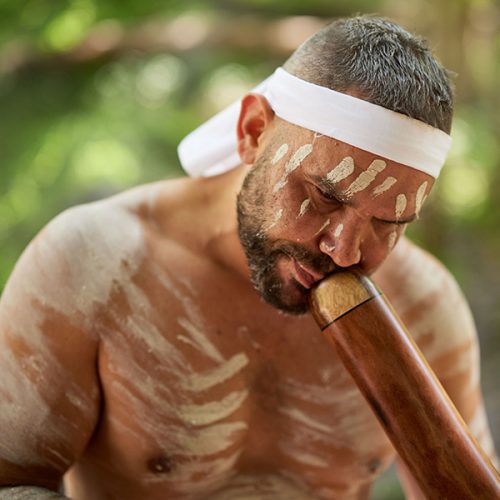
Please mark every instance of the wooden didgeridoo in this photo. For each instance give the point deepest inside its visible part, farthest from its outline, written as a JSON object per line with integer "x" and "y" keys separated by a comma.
{"x": 416, "y": 413}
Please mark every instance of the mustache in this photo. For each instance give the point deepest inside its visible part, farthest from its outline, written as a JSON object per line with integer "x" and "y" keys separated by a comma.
{"x": 320, "y": 263}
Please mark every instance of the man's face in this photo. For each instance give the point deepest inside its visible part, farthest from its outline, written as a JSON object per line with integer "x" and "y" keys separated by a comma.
{"x": 312, "y": 204}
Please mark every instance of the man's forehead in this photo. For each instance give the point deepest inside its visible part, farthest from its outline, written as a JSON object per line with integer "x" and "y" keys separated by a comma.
{"x": 327, "y": 152}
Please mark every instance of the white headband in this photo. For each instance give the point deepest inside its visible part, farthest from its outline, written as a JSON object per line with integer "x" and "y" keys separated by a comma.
{"x": 211, "y": 148}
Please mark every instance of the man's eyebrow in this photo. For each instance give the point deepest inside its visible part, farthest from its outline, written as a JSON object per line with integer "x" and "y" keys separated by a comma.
{"x": 329, "y": 188}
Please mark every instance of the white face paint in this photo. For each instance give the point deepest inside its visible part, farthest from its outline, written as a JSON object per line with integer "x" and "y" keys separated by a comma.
{"x": 338, "y": 230}
{"x": 343, "y": 170}
{"x": 391, "y": 241}
{"x": 325, "y": 247}
{"x": 304, "y": 207}
{"x": 365, "y": 178}
{"x": 386, "y": 185}
{"x": 282, "y": 151}
{"x": 400, "y": 205}
{"x": 277, "y": 216}
{"x": 295, "y": 161}
{"x": 325, "y": 224}
{"x": 420, "y": 197}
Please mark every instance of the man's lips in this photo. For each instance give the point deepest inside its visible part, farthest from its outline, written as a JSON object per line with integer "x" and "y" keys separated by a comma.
{"x": 306, "y": 277}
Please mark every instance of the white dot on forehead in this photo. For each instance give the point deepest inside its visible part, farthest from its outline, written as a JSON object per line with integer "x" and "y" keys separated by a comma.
{"x": 420, "y": 196}
{"x": 282, "y": 151}
{"x": 400, "y": 205}
{"x": 344, "y": 169}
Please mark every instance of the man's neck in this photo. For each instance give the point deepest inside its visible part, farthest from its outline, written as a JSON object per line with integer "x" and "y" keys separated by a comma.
{"x": 223, "y": 243}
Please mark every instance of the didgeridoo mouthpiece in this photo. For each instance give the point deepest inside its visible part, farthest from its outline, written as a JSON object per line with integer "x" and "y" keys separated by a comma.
{"x": 417, "y": 415}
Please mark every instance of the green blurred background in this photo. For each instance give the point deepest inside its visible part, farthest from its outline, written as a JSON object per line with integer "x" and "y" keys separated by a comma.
{"x": 95, "y": 95}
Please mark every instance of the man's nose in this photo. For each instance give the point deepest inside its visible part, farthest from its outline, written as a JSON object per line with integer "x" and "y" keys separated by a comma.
{"x": 342, "y": 242}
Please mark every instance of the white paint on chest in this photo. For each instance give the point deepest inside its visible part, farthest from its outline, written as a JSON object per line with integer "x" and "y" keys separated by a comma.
{"x": 364, "y": 179}
{"x": 221, "y": 373}
{"x": 295, "y": 161}
{"x": 212, "y": 411}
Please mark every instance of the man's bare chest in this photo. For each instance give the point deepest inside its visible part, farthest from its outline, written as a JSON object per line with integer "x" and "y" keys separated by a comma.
{"x": 204, "y": 381}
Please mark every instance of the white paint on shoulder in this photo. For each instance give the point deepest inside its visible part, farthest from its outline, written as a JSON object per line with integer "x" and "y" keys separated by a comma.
{"x": 211, "y": 411}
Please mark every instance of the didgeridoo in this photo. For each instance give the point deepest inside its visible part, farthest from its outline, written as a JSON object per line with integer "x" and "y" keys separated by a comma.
{"x": 416, "y": 413}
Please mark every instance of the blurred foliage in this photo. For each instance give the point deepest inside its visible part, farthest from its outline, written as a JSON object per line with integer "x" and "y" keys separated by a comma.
{"x": 95, "y": 97}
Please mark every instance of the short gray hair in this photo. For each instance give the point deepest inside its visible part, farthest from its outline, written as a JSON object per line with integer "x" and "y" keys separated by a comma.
{"x": 380, "y": 62}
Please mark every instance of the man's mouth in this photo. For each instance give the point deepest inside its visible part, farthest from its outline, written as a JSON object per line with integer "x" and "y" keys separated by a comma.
{"x": 305, "y": 276}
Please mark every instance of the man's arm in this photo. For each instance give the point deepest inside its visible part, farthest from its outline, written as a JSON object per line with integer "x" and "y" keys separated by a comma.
{"x": 49, "y": 396}
{"x": 442, "y": 325}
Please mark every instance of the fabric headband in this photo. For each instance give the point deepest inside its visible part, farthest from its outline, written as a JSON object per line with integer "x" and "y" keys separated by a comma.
{"x": 211, "y": 149}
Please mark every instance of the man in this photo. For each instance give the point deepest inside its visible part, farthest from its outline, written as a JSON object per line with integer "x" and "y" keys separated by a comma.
{"x": 138, "y": 361}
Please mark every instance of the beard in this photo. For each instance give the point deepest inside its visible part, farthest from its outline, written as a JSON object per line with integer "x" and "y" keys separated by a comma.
{"x": 264, "y": 254}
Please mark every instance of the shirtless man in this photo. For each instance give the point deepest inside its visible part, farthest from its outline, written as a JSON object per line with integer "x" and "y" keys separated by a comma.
{"x": 137, "y": 357}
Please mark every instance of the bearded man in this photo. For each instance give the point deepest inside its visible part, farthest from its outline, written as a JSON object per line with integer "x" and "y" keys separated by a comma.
{"x": 138, "y": 359}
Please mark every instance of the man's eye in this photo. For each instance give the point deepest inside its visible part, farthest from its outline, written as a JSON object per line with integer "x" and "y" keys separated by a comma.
{"x": 325, "y": 195}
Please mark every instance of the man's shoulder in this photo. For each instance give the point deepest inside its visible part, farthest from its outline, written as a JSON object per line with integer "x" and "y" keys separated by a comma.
{"x": 429, "y": 300}
{"x": 411, "y": 274}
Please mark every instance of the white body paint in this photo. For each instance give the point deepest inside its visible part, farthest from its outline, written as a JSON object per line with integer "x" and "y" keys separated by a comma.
{"x": 420, "y": 197}
{"x": 391, "y": 240}
{"x": 282, "y": 151}
{"x": 304, "y": 207}
{"x": 277, "y": 216}
{"x": 295, "y": 161}
{"x": 400, "y": 205}
{"x": 365, "y": 178}
{"x": 325, "y": 224}
{"x": 343, "y": 170}
{"x": 385, "y": 186}
{"x": 338, "y": 230}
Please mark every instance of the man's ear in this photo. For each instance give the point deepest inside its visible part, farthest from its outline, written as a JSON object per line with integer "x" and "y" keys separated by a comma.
{"x": 255, "y": 115}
